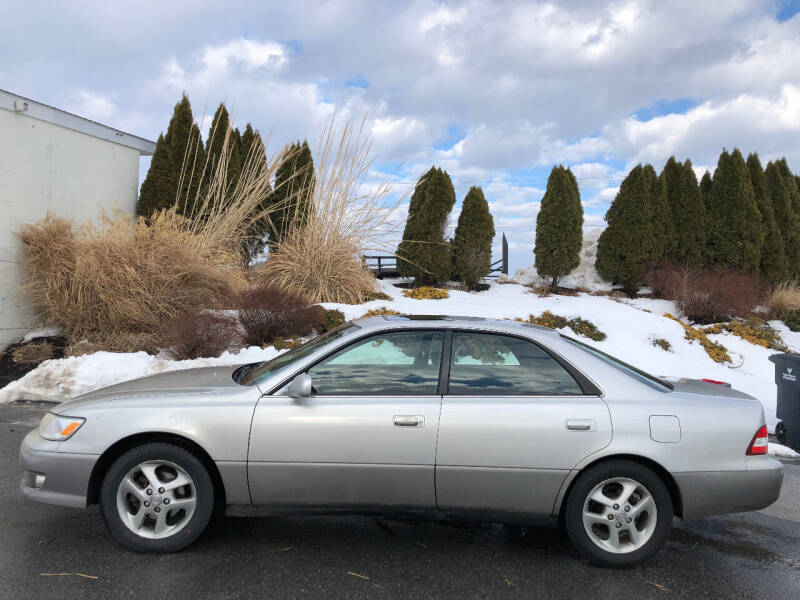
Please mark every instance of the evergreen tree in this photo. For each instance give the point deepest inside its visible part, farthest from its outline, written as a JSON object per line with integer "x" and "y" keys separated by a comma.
{"x": 215, "y": 144}
{"x": 472, "y": 244}
{"x": 559, "y": 227}
{"x": 176, "y": 168}
{"x": 663, "y": 226}
{"x": 791, "y": 184}
{"x": 155, "y": 191}
{"x": 705, "y": 190}
{"x": 734, "y": 239}
{"x": 688, "y": 214}
{"x": 423, "y": 252}
{"x": 294, "y": 184}
{"x": 627, "y": 248}
{"x": 786, "y": 219}
{"x": 254, "y": 153}
{"x": 773, "y": 256}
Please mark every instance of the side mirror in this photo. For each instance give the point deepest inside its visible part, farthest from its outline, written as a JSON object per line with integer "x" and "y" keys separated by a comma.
{"x": 300, "y": 387}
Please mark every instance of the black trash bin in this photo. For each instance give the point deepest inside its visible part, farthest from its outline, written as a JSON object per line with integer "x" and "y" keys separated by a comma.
{"x": 787, "y": 378}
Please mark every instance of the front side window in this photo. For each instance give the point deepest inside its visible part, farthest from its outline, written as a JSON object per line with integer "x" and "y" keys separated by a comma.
{"x": 497, "y": 365}
{"x": 388, "y": 364}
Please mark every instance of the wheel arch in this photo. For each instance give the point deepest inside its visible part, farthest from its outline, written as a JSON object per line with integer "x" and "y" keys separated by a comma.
{"x": 120, "y": 447}
{"x": 658, "y": 469}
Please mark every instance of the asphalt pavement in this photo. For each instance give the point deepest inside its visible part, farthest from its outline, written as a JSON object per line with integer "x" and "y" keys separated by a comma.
{"x": 54, "y": 552}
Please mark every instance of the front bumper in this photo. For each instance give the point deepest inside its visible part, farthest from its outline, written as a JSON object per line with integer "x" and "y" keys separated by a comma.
{"x": 706, "y": 493}
{"x": 66, "y": 475}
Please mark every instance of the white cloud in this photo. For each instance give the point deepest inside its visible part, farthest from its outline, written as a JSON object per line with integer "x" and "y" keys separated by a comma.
{"x": 92, "y": 105}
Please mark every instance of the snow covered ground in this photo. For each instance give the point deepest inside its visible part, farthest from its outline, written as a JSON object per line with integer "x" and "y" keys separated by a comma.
{"x": 631, "y": 327}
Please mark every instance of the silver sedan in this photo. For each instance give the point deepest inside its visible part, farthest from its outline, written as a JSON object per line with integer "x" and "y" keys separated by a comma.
{"x": 446, "y": 416}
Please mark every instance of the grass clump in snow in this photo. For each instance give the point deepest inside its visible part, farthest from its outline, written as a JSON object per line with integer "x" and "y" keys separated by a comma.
{"x": 369, "y": 296}
{"x": 333, "y": 318}
{"x": 663, "y": 344}
{"x": 784, "y": 299}
{"x": 379, "y": 312}
{"x": 576, "y": 324}
{"x": 287, "y": 344}
{"x": 426, "y": 293}
{"x": 716, "y": 351}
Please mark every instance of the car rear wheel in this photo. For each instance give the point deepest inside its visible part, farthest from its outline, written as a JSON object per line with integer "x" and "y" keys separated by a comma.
{"x": 618, "y": 514}
{"x": 157, "y": 497}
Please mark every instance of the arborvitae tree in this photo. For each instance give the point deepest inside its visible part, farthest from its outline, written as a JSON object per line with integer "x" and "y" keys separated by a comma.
{"x": 254, "y": 153}
{"x": 791, "y": 184}
{"x": 688, "y": 214}
{"x": 559, "y": 227}
{"x": 786, "y": 219}
{"x": 627, "y": 248}
{"x": 663, "y": 227}
{"x": 705, "y": 189}
{"x": 294, "y": 184}
{"x": 214, "y": 145}
{"x": 734, "y": 239}
{"x": 179, "y": 165}
{"x": 773, "y": 256}
{"x": 155, "y": 193}
{"x": 472, "y": 243}
{"x": 423, "y": 252}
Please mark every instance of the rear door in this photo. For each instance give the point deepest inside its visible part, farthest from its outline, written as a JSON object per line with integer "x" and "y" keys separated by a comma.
{"x": 366, "y": 437}
{"x": 515, "y": 420}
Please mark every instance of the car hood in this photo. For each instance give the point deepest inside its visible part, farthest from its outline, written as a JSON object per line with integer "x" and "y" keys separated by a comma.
{"x": 686, "y": 385}
{"x": 185, "y": 381}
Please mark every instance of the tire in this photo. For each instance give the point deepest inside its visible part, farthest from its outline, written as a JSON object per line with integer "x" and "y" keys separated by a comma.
{"x": 780, "y": 432}
{"x": 171, "y": 487}
{"x": 634, "y": 535}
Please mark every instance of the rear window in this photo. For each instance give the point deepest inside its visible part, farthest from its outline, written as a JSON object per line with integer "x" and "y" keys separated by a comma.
{"x": 642, "y": 376}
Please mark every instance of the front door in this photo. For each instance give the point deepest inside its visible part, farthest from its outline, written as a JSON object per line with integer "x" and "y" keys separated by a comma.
{"x": 366, "y": 437}
{"x": 514, "y": 423}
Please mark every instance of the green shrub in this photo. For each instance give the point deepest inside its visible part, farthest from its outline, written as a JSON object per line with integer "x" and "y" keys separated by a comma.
{"x": 586, "y": 329}
{"x": 426, "y": 293}
{"x": 792, "y": 320}
{"x": 370, "y": 296}
{"x": 333, "y": 318}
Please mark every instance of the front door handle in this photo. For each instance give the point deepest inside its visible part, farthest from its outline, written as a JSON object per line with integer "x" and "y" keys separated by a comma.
{"x": 409, "y": 421}
{"x": 581, "y": 425}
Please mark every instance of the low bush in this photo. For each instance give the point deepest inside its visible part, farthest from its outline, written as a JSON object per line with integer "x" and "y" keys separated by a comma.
{"x": 753, "y": 330}
{"x": 783, "y": 299}
{"x": 268, "y": 313}
{"x": 369, "y": 296}
{"x": 576, "y": 324}
{"x": 663, "y": 344}
{"x": 287, "y": 344}
{"x": 426, "y": 293}
{"x": 379, "y": 312}
{"x": 333, "y": 318}
{"x": 707, "y": 296}
{"x": 32, "y": 353}
{"x": 716, "y": 351}
{"x": 792, "y": 320}
{"x": 200, "y": 335}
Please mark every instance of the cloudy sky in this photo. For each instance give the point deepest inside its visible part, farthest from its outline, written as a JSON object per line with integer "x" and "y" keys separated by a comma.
{"x": 494, "y": 92}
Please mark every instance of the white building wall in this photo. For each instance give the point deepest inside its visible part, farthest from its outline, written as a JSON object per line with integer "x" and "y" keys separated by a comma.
{"x": 45, "y": 167}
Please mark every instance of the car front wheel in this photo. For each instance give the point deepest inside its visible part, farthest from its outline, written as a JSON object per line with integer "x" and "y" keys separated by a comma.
{"x": 157, "y": 497}
{"x": 618, "y": 514}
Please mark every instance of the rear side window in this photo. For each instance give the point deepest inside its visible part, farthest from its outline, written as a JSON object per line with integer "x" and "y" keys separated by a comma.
{"x": 498, "y": 365}
{"x": 388, "y": 364}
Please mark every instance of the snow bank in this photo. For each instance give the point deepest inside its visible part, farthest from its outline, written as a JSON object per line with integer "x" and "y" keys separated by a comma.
{"x": 631, "y": 327}
{"x": 61, "y": 379}
{"x": 584, "y": 276}
{"x": 781, "y": 451}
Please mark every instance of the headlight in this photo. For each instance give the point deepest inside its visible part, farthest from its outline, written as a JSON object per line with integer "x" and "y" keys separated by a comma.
{"x": 58, "y": 428}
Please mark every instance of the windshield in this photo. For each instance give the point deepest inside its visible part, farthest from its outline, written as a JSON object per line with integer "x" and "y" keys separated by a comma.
{"x": 650, "y": 380}
{"x": 255, "y": 373}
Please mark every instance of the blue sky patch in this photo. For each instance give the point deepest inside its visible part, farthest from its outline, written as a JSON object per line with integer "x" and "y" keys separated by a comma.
{"x": 665, "y": 107}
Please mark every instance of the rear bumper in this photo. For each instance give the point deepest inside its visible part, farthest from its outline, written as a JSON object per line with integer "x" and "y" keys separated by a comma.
{"x": 705, "y": 493}
{"x": 65, "y": 476}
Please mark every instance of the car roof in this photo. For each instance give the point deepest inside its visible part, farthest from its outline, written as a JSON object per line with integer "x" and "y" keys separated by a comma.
{"x": 446, "y": 322}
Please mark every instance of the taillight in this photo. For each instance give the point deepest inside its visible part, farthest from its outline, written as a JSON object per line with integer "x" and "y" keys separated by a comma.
{"x": 714, "y": 381}
{"x": 760, "y": 442}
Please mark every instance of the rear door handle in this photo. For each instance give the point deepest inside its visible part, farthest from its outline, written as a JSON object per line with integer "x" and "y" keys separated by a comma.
{"x": 581, "y": 425}
{"x": 409, "y": 421}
